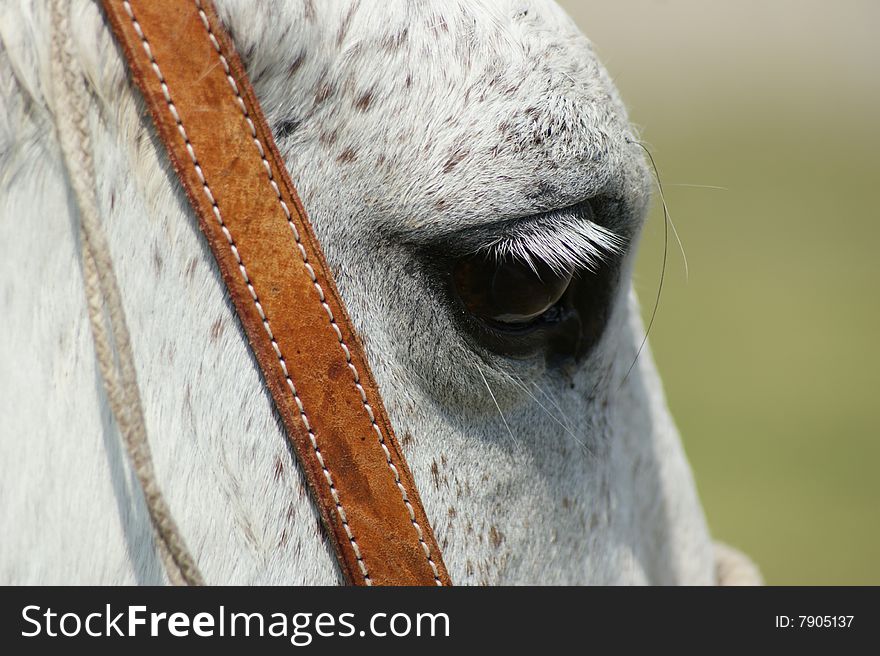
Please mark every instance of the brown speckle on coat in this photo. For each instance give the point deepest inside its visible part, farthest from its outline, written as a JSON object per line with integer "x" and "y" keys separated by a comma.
{"x": 435, "y": 474}
{"x": 496, "y": 537}
{"x": 455, "y": 157}
{"x": 347, "y": 156}
{"x": 216, "y": 329}
{"x": 363, "y": 101}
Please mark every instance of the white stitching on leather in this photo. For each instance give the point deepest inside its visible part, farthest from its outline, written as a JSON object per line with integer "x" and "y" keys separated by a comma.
{"x": 216, "y": 210}
{"x": 320, "y": 291}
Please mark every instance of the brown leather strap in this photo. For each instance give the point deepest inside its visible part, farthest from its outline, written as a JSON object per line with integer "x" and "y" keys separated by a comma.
{"x": 207, "y": 115}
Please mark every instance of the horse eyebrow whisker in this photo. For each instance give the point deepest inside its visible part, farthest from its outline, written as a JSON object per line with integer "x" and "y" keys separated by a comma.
{"x": 667, "y": 223}
{"x": 697, "y": 186}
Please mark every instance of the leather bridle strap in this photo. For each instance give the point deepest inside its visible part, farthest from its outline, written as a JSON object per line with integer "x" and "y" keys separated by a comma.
{"x": 313, "y": 363}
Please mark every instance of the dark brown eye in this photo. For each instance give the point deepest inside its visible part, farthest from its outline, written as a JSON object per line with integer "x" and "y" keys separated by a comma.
{"x": 507, "y": 291}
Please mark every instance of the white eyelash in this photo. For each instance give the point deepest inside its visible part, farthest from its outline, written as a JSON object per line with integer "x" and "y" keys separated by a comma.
{"x": 559, "y": 243}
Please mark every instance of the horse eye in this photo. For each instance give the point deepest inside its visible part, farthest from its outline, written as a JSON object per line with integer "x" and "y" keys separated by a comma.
{"x": 507, "y": 291}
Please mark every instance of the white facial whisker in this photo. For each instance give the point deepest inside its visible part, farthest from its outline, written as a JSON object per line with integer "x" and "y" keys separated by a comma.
{"x": 552, "y": 401}
{"x": 521, "y": 385}
{"x": 495, "y": 401}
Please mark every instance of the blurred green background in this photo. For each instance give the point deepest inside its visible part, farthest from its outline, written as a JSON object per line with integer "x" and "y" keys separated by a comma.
{"x": 768, "y": 351}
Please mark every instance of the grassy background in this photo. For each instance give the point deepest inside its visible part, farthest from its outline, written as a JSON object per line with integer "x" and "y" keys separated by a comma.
{"x": 768, "y": 351}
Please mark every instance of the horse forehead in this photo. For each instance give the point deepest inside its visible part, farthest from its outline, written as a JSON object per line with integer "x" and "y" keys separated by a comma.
{"x": 343, "y": 59}
{"x": 457, "y": 110}
{"x": 478, "y": 56}
{"x": 468, "y": 110}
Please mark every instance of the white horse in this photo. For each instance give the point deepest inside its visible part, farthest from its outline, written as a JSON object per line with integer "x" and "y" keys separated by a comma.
{"x": 418, "y": 134}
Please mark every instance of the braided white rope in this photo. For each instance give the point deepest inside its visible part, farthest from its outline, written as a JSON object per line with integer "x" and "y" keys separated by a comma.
{"x": 113, "y": 347}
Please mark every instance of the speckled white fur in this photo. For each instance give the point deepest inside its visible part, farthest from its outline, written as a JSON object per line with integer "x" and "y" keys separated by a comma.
{"x": 402, "y": 124}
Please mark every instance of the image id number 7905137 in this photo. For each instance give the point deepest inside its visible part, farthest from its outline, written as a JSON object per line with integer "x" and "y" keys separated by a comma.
{"x": 814, "y": 621}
